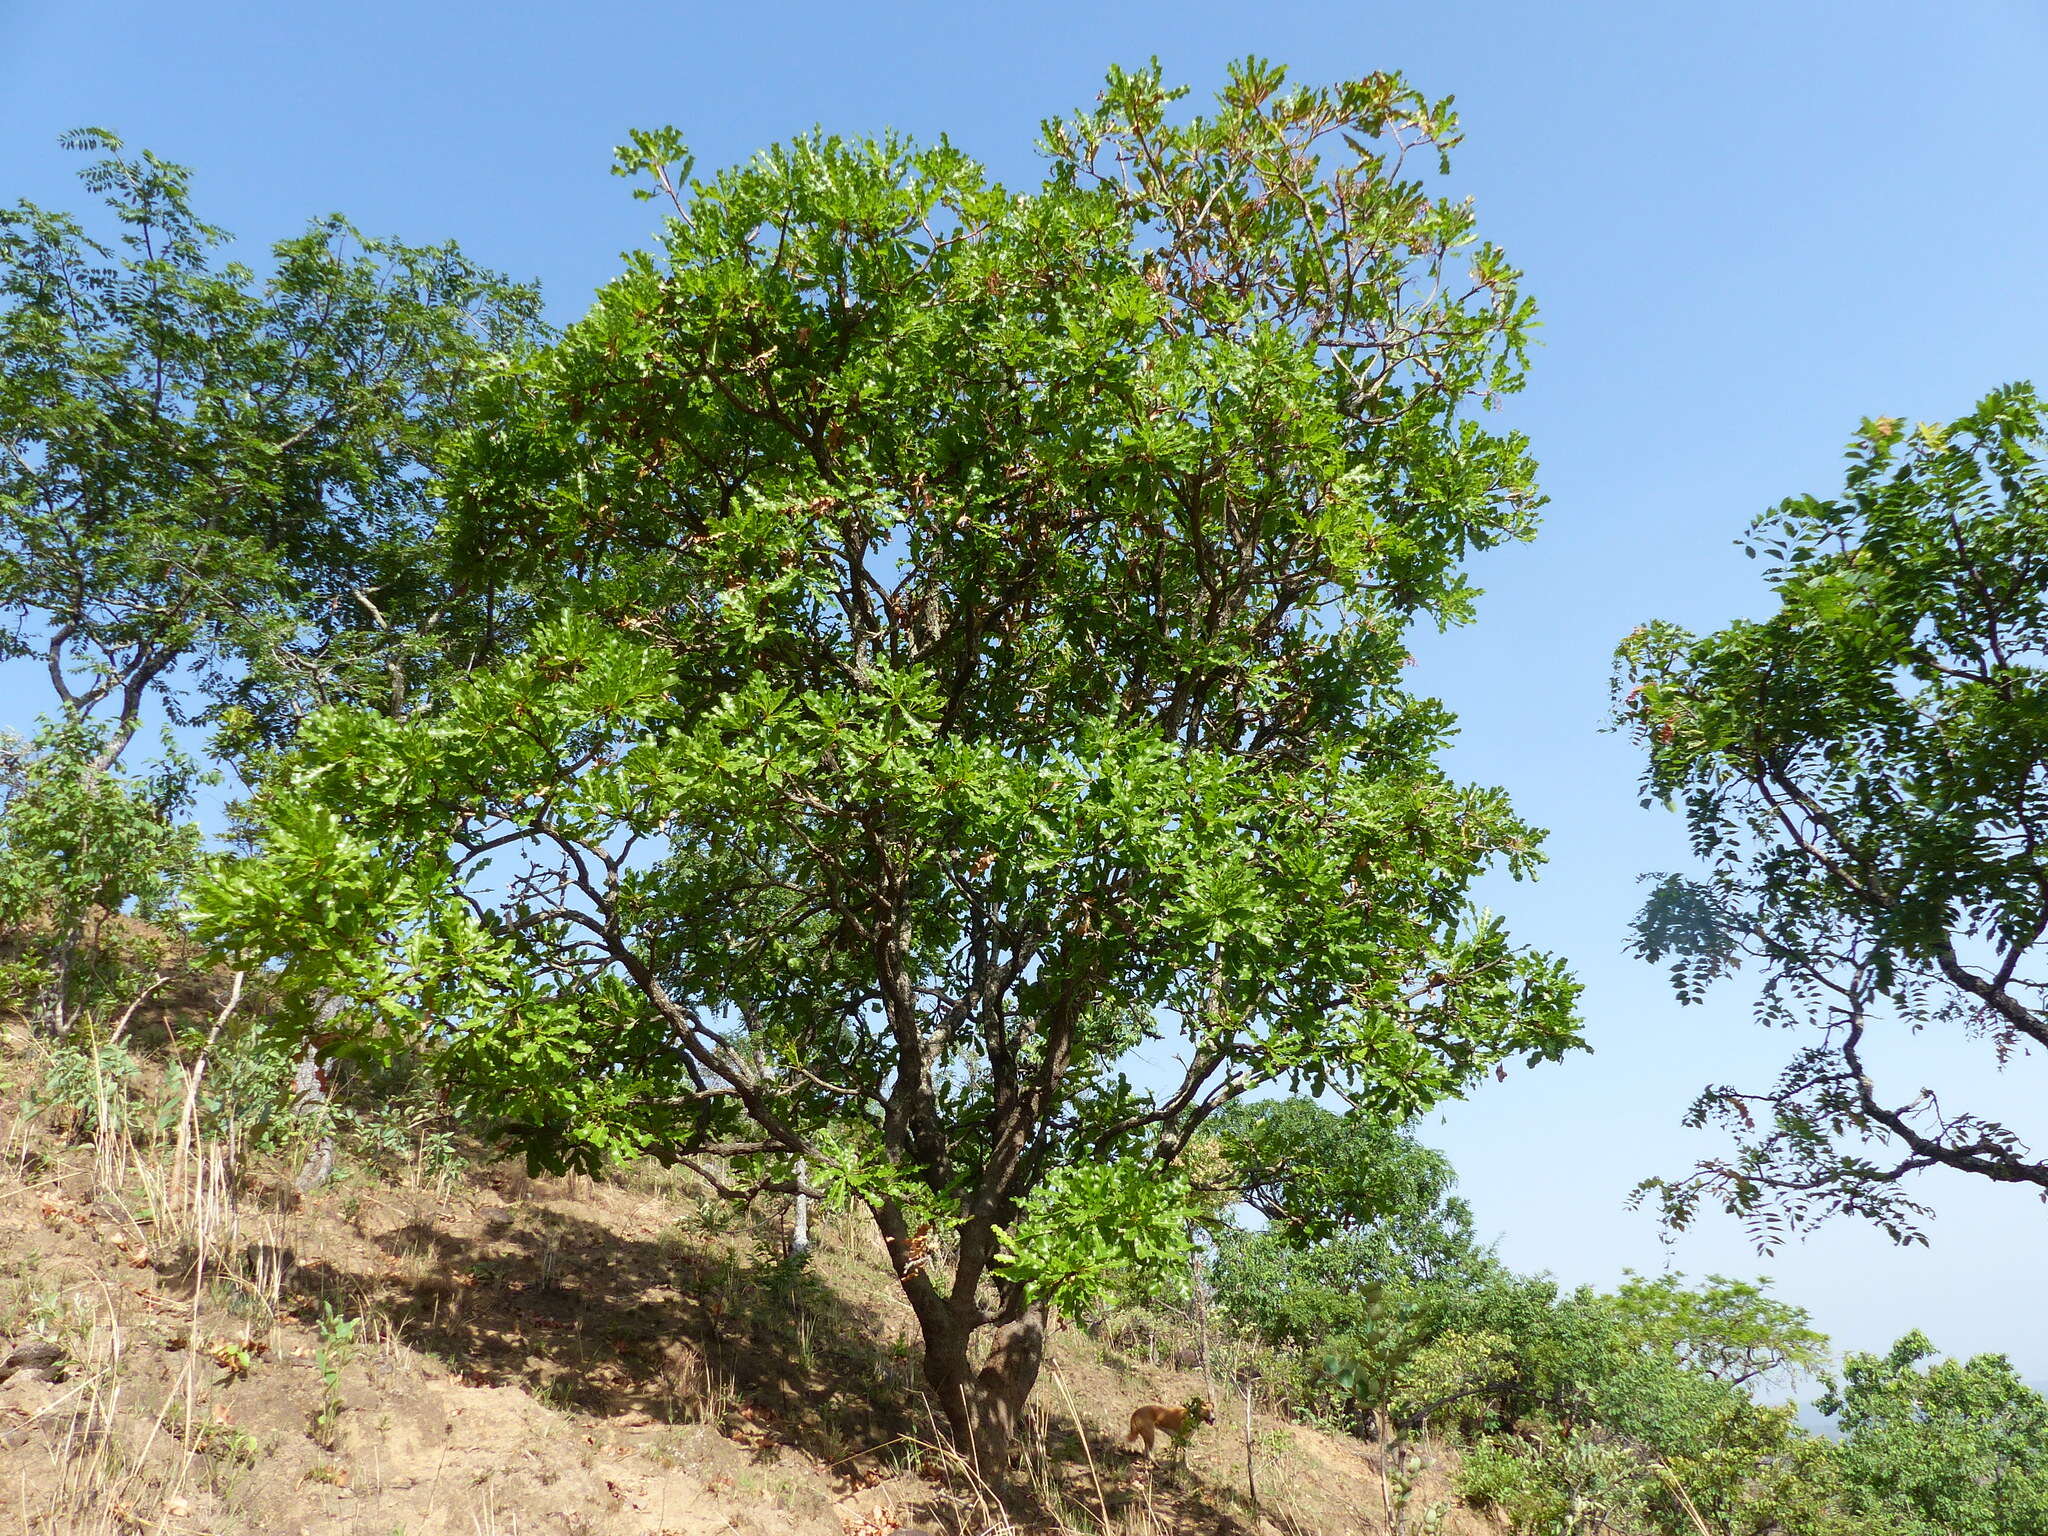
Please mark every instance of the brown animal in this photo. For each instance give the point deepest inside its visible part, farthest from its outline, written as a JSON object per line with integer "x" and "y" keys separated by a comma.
{"x": 1148, "y": 1419}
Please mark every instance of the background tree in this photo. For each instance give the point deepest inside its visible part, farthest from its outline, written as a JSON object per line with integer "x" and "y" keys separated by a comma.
{"x": 215, "y": 489}
{"x": 1312, "y": 1174}
{"x": 1866, "y": 773}
{"x": 1635, "y": 1408}
{"x": 1731, "y": 1330}
{"x": 204, "y": 467}
{"x": 1952, "y": 1448}
{"x": 1358, "y": 1224}
{"x": 966, "y": 644}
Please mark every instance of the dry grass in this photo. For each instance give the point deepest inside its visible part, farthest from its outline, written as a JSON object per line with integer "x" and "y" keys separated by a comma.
{"x": 460, "y": 1349}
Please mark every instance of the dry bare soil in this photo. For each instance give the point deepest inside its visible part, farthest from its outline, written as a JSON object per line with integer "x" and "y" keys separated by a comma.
{"x": 468, "y": 1352}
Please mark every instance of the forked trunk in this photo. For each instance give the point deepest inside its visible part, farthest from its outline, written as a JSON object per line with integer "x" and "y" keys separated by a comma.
{"x": 984, "y": 1408}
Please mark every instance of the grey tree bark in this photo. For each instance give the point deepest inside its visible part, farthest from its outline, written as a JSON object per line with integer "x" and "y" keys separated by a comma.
{"x": 310, "y": 1097}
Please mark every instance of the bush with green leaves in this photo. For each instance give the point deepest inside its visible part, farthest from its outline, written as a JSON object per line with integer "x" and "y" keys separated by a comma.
{"x": 1361, "y": 1227}
{"x": 1572, "y": 1487}
{"x": 1587, "y": 1420}
{"x": 1935, "y": 1447}
{"x": 1578, "y": 1411}
{"x": 83, "y": 844}
{"x": 95, "y": 1086}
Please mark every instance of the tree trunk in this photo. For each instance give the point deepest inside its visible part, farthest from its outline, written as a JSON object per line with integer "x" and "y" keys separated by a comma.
{"x": 984, "y": 1408}
{"x": 309, "y": 1097}
{"x": 52, "y": 1007}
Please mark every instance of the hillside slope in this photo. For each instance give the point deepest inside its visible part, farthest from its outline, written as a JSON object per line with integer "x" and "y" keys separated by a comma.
{"x": 445, "y": 1348}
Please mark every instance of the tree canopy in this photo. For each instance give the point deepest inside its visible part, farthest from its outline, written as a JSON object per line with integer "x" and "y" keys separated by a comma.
{"x": 216, "y": 492}
{"x": 1731, "y": 1330}
{"x": 1865, "y": 772}
{"x": 1954, "y": 1447}
{"x": 960, "y": 645}
{"x": 1311, "y": 1173}
{"x": 204, "y": 467}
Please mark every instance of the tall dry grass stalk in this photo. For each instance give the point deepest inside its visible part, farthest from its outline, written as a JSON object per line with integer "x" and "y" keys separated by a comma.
{"x": 98, "y": 1482}
{"x": 1081, "y": 1432}
{"x": 179, "y": 1188}
{"x": 982, "y": 1505}
{"x": 195, "y": 1075}
{"x": 113, "y": 1147}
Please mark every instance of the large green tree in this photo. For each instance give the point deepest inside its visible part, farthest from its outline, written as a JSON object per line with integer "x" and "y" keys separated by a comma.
{"x": 217, "y": 486}
{"x": 1865, "y": 772}
{"x": 966, "y": 646}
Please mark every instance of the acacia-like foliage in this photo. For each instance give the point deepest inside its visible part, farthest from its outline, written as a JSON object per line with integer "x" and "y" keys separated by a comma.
{"x": 208, "y": 468}
{"x": 1866, "y": 774}
{"x": 964, "y": 649}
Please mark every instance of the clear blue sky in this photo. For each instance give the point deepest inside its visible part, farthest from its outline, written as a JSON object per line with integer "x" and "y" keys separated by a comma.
{"x": 1748, "y": 226}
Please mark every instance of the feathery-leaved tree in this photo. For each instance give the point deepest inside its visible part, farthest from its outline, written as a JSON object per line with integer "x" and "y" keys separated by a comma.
{"x": 1865, "y": 772}
{"x": 217, "y": 486}
{"x": 965, "y": 651}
